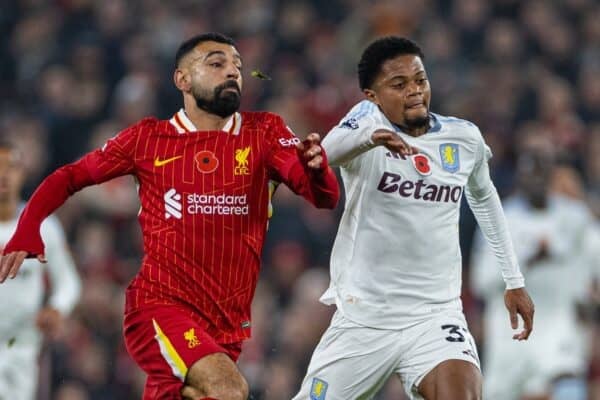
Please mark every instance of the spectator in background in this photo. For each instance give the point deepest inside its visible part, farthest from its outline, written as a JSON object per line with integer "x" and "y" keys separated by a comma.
{"x": 26, "y": 315}
{"x": 554, "y": 241}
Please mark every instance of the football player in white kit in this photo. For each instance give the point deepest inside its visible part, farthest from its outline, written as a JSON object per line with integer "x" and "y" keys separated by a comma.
{"x": 23, "y": 316}
{"x": 557, "y": 244}
{"x": 396, "y": 261}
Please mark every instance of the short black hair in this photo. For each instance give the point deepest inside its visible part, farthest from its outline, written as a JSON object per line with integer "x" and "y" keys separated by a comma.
{"x": 192, "y": 42}
{"x": 380, "y": 51}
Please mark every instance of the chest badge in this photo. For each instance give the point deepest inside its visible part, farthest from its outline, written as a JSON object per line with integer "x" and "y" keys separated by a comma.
{"x": 422, "y": 164}
{"x": 241, "y": 158}
{"x": 450, "y": 157}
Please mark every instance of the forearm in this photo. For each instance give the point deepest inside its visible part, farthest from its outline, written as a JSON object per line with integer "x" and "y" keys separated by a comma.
{"x": 50, "y": 195}
{"x": 487, "y": 209}
{"x": 342, "y": 146}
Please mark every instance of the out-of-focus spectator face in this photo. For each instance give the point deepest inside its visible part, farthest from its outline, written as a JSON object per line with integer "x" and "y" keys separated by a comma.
{"x": 11, "y": 174}
{"x": 56, "y": 85}
{"x": 470, "y": 14}
{"x": 401, "y": 89}
{"x": 71, "y": 391}
{"x": 535, "y": 166}
{"x": 503, "y": 41}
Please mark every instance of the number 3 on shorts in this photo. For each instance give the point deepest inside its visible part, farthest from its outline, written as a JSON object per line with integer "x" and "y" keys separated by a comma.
{"x": 454, "y": 334}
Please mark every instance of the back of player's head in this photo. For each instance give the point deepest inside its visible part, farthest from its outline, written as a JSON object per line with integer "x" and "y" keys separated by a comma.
{"x": 192, "y": 42}
{"x": 380, "y": 51}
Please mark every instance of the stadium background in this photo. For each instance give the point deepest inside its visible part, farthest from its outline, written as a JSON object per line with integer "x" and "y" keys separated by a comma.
{"x": 74, "y": 72}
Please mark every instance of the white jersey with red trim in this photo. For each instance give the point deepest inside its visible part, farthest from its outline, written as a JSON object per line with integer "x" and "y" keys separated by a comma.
{"x": 396, "y": 258}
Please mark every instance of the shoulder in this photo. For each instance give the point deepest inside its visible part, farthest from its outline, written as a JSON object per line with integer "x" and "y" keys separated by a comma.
{"x": 455, "y": 124}
{"x": 359, "y": 114}
{"x": 270, "y": 125}
{"x": 260, "y": 118}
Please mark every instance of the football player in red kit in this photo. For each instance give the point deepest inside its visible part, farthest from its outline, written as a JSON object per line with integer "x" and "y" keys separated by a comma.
{"x": 205, "y": 178}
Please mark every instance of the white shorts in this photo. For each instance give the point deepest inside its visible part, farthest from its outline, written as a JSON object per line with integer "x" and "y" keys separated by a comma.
{"x": 18, "y": 371}
{"x": 514, "y": 369}
{"x": 353, "y": 361}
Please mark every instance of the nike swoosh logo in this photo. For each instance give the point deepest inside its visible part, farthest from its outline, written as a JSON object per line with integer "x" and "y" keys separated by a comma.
{"x": 159, "y": 163}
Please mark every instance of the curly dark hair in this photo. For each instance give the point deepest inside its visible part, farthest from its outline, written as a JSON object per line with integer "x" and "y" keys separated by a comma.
{"x": 380, "y": 51}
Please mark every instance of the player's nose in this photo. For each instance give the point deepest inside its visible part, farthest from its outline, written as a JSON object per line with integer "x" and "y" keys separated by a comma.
{"x": 232, "y": 72}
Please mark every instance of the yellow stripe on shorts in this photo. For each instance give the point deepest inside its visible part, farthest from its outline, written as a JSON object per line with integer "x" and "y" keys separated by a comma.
{"x": 169, "y": 353}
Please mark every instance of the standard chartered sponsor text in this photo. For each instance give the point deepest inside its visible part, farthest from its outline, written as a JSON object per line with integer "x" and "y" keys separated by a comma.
{"x": 221, "y": 204}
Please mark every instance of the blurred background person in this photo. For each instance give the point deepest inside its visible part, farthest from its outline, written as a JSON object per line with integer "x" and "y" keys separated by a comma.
{"x": 551, "y": 234}
{"x": 29, "y": 311}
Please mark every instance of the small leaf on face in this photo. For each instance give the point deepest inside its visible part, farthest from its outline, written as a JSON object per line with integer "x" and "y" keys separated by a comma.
{"x": 260, "y": 75}
{"x": 11, "y": 341}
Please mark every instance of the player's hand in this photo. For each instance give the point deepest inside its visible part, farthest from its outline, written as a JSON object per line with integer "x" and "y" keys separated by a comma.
{"x": 517, "y": 301}
{"x": 11, "y": 262}
{"x": 393, "y": 142}
{"x": 49, "y": 321}
{"x": 309, "y": 151}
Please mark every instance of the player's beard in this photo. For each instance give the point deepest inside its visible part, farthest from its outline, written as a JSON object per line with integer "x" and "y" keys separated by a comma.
{"x": 417, "y": 122}
{"x": 222, "y": 103}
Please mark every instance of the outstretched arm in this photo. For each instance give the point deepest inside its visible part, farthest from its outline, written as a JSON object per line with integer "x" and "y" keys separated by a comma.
{"x": 52, "y": 193}
{"x": 114, "y": 159}
{"x": 310, "y": 175}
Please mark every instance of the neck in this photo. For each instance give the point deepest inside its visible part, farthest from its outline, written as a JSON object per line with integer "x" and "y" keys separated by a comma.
{"x": 418, "y": 131}
{"x": 202, "y": 120}
{"x": 8, "y": 209}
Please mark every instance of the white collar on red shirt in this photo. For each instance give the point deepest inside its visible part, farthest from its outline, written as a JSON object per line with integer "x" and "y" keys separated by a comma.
{"x": 183, "y": 124}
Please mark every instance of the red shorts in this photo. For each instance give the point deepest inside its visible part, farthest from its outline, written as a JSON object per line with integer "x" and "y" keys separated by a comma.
{"x": 165, "y": 341}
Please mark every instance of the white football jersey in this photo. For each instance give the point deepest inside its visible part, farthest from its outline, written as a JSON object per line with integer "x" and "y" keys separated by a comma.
{"x": 396, "y": 258}
{"x": 21, "y": 297}
{"x": 557, "y": 282}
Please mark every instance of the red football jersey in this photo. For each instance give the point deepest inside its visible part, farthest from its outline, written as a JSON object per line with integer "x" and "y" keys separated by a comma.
{"x": 205, "y": 201}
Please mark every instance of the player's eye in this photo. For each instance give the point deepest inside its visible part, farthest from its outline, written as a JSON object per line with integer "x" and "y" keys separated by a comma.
{"x": 399, "y": 85}
{"x": 421, "y": 81}
{"x": 216, "y": 64}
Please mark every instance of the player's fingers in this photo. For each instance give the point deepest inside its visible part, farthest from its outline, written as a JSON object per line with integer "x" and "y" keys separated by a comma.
{"x": 19, "y": 258}
{"x": 300, "y": 146}
{"x": 312, "y": 151}
{"x": 316, "y": 162}
{"x": 42, "y": 258}
{"x": 5, "y": 266}
{"x": 514, "y": 321}
{"x": 382, "y": 137}
{"x": 313, "y": 138}
{"x": 528, "y": 323}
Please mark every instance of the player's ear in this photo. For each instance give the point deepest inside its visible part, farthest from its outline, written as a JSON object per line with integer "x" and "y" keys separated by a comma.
{"x": 181, "y": 80}
{"x": 371, "y": 95}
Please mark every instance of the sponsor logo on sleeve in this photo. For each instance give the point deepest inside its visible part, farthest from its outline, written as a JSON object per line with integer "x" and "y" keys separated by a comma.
{"x": 450, "y": 157}
{"x": 288, "y": 142}
{"x": 350, "y": 123}
{"x": 318, "y": 389}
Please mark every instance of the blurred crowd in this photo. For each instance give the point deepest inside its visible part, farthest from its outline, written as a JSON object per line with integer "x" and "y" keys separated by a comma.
{"x": 75, "y": 72}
